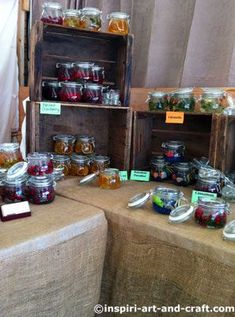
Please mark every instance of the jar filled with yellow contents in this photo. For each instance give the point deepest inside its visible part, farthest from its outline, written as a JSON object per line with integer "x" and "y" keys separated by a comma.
{"x": 64, "y": 144}
{"x": 71, "y": 18}
{"x": 99, "y": 163}
{"x": 9, "y": 154}
{"x": 90, "y": 19}
{"x": 109, "y": 179}
{"x": 62, "y": 161}
{"x": 79, "y": 165}
{"x": 118, "y": 23}
{"x": 85, "y": 145}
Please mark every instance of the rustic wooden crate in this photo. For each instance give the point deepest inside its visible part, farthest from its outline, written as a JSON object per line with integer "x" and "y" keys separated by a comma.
{"x": 111, "y": 127}
{"x": 51, "y": 44}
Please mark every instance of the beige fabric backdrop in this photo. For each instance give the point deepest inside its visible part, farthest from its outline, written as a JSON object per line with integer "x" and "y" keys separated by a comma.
{"x": 177, "y": 42}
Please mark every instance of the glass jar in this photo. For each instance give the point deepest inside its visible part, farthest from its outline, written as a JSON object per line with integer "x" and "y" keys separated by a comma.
{"x": 159, "y": 170}
{"x": 85, "y": 145}
{"x": 82, "y": 71}
{"x": 64, "y": 71}
{"x": 99, "y": 163}
{"x": 109, "y": 179}
{"x": 98, "y": 74}
{"x": 71, "y": 18}
{"x": 202, "y": 162}
{"x": 173, "y": 151}
{"x": 14, "y": 190}
{"x": 70, "y": 92}
{"x": 91, "y": 19}
{"x": 41, "y": 189}
{"x": 182, "y": 100}
{"x": 62, "y": 161}
{"x": 50, "y": 90}
{"x": 92, "y": 93}
{"x": 111, "y": 97}
{"x": 210, "y": 185}
{"x": 39, "y": 164}
{"x": 80, "y": 165}
{"x": 158, "y": 100}
{"x": 165, "y": 199}
{"x": 9, "y": 154}
{"x": 64, "y": 144}
{"x": 183, "y": 174}
{"x": 211, "y": 213}
{"x": 213, "y": 100}
{"x": 52, "y": 13}
{"x": 118, "y": 23}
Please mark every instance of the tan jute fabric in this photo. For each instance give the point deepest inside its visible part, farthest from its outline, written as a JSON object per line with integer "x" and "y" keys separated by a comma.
{"x": 150, "y": 261}
{"x": 51, "y": 263}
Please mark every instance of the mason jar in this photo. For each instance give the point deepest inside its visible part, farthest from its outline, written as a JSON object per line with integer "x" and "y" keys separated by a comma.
{"x": 14, "y": 190}
{"x": 85, "y": 145}
{"x": 52, "y": 13}
{"x": 99, "y": 163}
{"x": 213, "y": 100}
{"x": 92, "y": 93}
{"x": 118, "y": 23}
{"x": 70, "y": 92}
{"x": 173, "y": 151}
{"x": 9, "y": 154}
{"x": 71, "y": 18}
{"x": 62, "y": 161}
{"x": 91, "y": 19}
{"x": 50, "y": 90}
{"x": 159, "y": 170}
{"x": 182, "y": 100}
{"x": 64, "y": 144}
{"x": 165, "y": 199}
{"x": 39, "y": 164}
{"x": 41, "y": 189}
{"x": 109, "y": 179}
{"x": 209, "y": 180}
{"x": 97, "y": 74}
{"x": 158, "y": 100}
{"x": 80, "y": 165}
{"x": 183, "y": 174}
{"x": 64, "y": 71}
{"x": 82, "y": 71}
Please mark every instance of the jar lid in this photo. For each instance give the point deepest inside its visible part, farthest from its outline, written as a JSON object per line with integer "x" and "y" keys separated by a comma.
{"x": 181, "y": 214}
{"x": 61, "y": 158}
{"x": 100, "y": 158}
{"x": 87, "y": 179}
{"x": 209, "y": 173}
{"x": 85, "y": 138}
{"x": 213, "y": 92}
{"x": 182, "y": 166}
{"x": 91, "y": 11}
{"x": 79, "y": 158}
{"x": 40, "y": 181}
{"x": 168, "y": 191}
{"x": 157, "y": 94}
{"x": 173, "y": 144}
{"x": 110, "y": 171}
{"x": 9, "y": 146}
{"x": 64, "y": 137}
{"x": 17, "y": 170}
{"x": 93, "y": 86}
{"x": 70, "y": 84}
{"x": 97, "y": 67}
{"x": 214, "y": 203}
{"x": 139, "y": 200}
{"x": 55, "y": 84}
{"x": 71, "y": 12}
{"x": 229, "y": 231}
{"x": 118, "y": 15}
{"x": 54, "y": 5}
{"x": 200, "y": 162}
{"x": 182, "y": 92}
{"x": 84, "y": 64}
{"x": 65, "y": 65}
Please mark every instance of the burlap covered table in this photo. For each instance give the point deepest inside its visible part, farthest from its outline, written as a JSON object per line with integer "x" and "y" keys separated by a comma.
{"x": 52, "y": 262}
{"x": 150, "y": 261}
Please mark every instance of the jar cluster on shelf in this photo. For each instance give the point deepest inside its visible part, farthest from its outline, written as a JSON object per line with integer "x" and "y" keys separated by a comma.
{"x": 87, "y": 18}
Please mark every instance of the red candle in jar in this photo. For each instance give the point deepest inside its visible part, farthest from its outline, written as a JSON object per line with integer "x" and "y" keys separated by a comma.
{"x": 92, "y": 93}
{"x": 71, "y": 92}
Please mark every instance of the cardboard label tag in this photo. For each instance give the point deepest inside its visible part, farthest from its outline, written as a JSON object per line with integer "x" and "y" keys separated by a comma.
{"x": 53, "y": 108}
{"x": 123, "y": 176}
{"x": 196, "y": 194}
{"x": 142, "y": 176}
{"x": 174, "y": 117}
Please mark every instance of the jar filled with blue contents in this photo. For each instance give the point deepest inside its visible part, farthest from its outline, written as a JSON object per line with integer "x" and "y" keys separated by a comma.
{"x": 159, "y": 170}
{"x": 165, "y": 199}
{"x": 173, "y": 151}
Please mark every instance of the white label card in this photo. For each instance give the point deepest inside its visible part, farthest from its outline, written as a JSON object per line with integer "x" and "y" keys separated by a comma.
{"x": 15, "y": 209}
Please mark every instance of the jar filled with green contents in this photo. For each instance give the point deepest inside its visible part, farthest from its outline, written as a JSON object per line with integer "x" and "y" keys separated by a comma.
{"x": 90, "y": 19}
{"x": 182, "y": 100}
{"x": 213, "y": 100}
{"x": 9, "y": 154}
{"x": 158, "y": 100}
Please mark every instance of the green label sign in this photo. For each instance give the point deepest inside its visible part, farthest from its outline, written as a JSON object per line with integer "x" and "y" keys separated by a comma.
{"x": 196, "y": 194}
{"x": 142, "y": 176}
{"x": 53, "y": 108}
{"x": 123, "y": 176}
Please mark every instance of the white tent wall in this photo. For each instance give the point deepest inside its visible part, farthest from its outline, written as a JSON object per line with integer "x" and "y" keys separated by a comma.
{"x": 8, "y": 69}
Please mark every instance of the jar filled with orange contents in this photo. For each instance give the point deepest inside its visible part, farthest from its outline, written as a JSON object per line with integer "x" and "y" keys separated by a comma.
{"x": 71, "y": 18}
{"x": 79, "y": 165}
{"x": 9, "y": 154}
{"x": 99, "y": 163}
{"x": 64, "y": 144}
{"x": 62, "y": 161}
{"x": 109, "y": 179}
{"x": 85, "y": 144}
{"x": 118, "y": 23}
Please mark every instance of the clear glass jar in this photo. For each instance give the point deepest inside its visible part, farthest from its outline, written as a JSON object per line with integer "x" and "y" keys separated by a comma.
{"x": 71, "y": 18}
{"x": 202, "y": 162}
{"x": 14, "y": 190}
{"x": 182, "y": 100}
{"x": 50, "y": 90}
{"x": 91, "y": 19}
{"x": 70, "y": 92}
{"x": 98, "y": 74}
{"x": 41, "y": 189}
{"x": 166, "y": 199}
{"x": 80, "y": 165}
{"x": 228, "y": 192}
{"x": 158, "y": 100}
{"x": 9, "y": 154}
{"x": 64, "y": 144}
{"x": 99, "y": 163}
{"x": 111, "y": 97}
{"x": 210, "y": 185}
{"x": 64, "y": 71}
{"x": 92, "y": 93}
{"x": 109, "y": 179}
{"x": 211, "y": 214}
{"x": 213, "y": 100}
{"x": 52, "y": 13}
{"x": 173, "y": 151}
{"x": 183, "y": 174}
{"x": 82, "y": 71}
{"x": 118, "y": 23}
{"x": 159, "y": 170}
{"x": 39, "y": 164}
{"x": 85, "y": 145}
{"x": 62, "y": 161}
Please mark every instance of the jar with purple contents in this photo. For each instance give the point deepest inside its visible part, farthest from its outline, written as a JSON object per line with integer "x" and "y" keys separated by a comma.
{"x": 41, "y": 189}
{"x": 82, "y": 71}
{"x": 92, "y": 93}
{"x": 50, "y": 90}
{"x": 71, "y": 92}
{"x": 52, "y": 13}
{"x": 159, "y": 170}
{"x": 64, "y": 71}
{"x": 173, "y": 151}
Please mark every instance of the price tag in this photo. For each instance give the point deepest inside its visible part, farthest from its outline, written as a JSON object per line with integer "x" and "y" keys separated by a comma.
{"x": 142, "y": 176}
{"x": 196, "y": 194}
{"x": 174, "y": 117}
{"x": 123, "y": 176}
{"x": 53, "y": 108}
{"x": 15, "y": 210}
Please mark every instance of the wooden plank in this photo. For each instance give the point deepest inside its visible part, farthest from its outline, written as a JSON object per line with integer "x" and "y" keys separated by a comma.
{"x": 25, "y": 5}
{"x": 92, "y": 106}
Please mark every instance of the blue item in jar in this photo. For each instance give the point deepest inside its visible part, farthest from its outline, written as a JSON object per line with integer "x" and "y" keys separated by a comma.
{"x": 163, "y": 206}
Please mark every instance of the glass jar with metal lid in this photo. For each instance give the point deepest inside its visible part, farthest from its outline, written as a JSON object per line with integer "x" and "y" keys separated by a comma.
{"x": 118, "y": 23}
{"x": 50, "y": 90}
{"x": 85, "y": 144}
{"x": 64, "y": 71}
{"x": 173, "y": 151}
{"x": 109, "y": 179}
{"x": 80, "y": 165}
{"x": 99, "y": 163}
{"x": 198, "y": 163}
{"x": 82, "y": 71}
{"x": 183, "y": 174}
{"x": 98, "y": 74}
{"x": 71, "y": 18}
{"x": 52, "y": 13}
{"x": 182, "y": 100}
{"x": 209, "y": 180}
{"x": 159, "y": 170}
{"x": 91, "y": 19}
{"x": 158, "y": 100}
{"x": 41, "y": 189}
{"x": 9, "y": 154}
{"x": 111, "y": 97}
{"x": 39, "y": 164}
{"x": 92, "y": 93}
{"x": 64, "y": 144}
{"x": 62, "y": 161}
{"x": 213, "y": 100}
{"x": 70, "y": 92}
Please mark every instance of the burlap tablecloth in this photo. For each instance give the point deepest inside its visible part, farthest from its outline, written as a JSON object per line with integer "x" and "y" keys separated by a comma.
{"x": 150, "y": 261}
{"x": 52, "y": 262}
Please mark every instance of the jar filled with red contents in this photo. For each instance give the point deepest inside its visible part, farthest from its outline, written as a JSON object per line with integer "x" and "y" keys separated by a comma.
{"x": 39, "y": 164}
{"x": 70, "y": 92}
{"x": 41, "y": 189}
{"x": 52, "y": 13}
{"x": 64, "y": 71}
{"x": 98, "y": 74}
{"x": 92, "y": 93}
{"x": 64, "y": 144}
{"x": 50, "y": 90}
{"x": 82, "y": 71}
